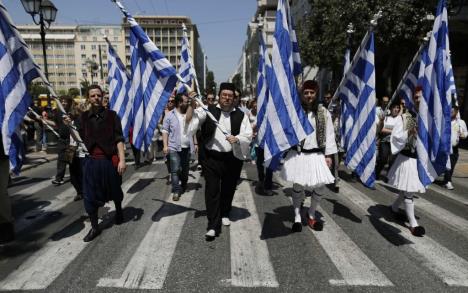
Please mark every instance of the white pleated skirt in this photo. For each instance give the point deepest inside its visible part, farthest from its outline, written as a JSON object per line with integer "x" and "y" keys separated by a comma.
{"x": 403, "y": 175}
{"x": 307, "y": 169}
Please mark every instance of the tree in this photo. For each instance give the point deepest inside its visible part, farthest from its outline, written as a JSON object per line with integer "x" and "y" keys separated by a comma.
{"x": 322, "y": 34}
{"x": 35, "y": 89}
{"x": 210, "y": 82}
{"x": 73, "y": 92}
{"x": 84, "y": 83}
{"x": 237, "y": 81}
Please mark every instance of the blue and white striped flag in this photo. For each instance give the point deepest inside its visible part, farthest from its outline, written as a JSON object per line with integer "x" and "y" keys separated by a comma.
{"x": 17, "y": 70}
{"x": 153, "y": 79}
{"x": 296, "y": 56}
{"x": 346, "y": 119}
{"x": 186, "y": 70}
{"x": 358, "y": 93}
{"x": 434, "y": 122}
{"x": 119, "y": 86}
{"x": 263, "y": 92}
{"x": 288, "y": 123}
{"x": 413, "y": 79}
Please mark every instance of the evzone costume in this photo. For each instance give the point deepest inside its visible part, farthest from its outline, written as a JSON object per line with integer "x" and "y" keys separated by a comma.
{"x": 403, "y": 174}
{"x": 306, "y": 165}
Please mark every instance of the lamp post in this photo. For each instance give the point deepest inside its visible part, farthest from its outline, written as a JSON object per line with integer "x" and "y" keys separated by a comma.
{"x": 47, "y": 12}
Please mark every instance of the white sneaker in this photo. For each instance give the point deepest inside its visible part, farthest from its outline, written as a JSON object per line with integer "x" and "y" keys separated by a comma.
{"x": 210, "y": 235}
{"x": 226, "y": 221}
{"x": 449, "y": 186}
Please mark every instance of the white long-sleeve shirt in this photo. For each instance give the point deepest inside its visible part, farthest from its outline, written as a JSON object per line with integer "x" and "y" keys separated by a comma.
{"x": 219, "y": 142}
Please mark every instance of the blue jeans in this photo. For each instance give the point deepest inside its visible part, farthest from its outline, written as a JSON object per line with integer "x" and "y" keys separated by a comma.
{"x": 179, "y": 162}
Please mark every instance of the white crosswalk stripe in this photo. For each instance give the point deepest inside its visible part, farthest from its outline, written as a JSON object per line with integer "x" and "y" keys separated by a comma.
{"x": 34, "y": 188}
{"x": 149, "y": 265}
{"x": 146, "y": 265}
{"x": 46, "y": 264}
{"x": 449, "y": 194}
{"x": 456, "y": 223}
{"x": 250, "y": 260}
{"x": 355, "y": 267}
{"x": 445, "y": 264}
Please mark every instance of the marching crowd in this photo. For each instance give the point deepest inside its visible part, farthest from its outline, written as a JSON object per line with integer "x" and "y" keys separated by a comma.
{"x": 223, "y": 134}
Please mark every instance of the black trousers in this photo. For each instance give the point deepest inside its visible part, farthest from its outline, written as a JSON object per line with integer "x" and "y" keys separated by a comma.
{"x": 76, "y": 174}
{"x": 384, "y": 157}
{"x": 264, "y": 176}
{"x": 136, "y": 155}
{"x": 221, "y": 170}
{"x": 453, "y": 161}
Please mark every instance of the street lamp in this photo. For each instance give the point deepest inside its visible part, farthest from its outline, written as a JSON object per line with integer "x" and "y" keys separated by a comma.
{"x": 47, "y": 13}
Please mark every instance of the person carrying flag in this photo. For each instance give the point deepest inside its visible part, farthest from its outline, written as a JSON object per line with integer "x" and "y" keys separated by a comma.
{"x": 307, "y": 165}
{"x": 403, "y": 174}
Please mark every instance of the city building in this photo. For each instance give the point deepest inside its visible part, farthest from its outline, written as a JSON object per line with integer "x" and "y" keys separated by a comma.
{"x": 91, "y": 51}
{"x": 60, "y": 49}
{"x": 166, "y": 32}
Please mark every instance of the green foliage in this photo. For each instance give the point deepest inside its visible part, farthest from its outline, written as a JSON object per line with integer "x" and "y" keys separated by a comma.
{"x": 322, "y": 34}
{"x": 237, "y": 81}
{"x": 36, "y": 89}
{"x": 73, "y": 92}
{"x": 210, "y": 82}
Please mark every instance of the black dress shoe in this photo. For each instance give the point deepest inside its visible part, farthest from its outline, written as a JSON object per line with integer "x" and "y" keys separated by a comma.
{"x": 7, "y": 233}
{"x": 418, "y": 231}
{"x": 93, "y": 233}
{"x": 297, "y": 227}
{"x": 119, "y": 218}
{"x": 78, "y": 197}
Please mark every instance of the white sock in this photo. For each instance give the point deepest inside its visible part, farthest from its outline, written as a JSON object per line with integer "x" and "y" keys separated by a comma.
{"x": 409, "y": 207}
{"x": 297, "y": 199}
{"x": 398, "y": 201}
{"x": 314, "y": 202}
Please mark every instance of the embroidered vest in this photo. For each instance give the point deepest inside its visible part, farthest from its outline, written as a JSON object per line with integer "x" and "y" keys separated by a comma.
{"x": 409, "y": 122}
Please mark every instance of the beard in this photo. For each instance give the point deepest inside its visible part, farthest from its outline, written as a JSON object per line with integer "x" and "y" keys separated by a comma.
{"x": 310, "y": 106}
{"x": 183, "y": 109}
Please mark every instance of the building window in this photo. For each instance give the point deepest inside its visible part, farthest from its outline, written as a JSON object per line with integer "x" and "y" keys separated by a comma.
{"x": 83, "y": 56}
{"x": 93, "y": 47}
{"x": 83, "y": 47}
{"x": 93, "y": 56}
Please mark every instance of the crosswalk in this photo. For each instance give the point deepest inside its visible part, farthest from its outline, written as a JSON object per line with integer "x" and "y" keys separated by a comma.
{"x": 148, "y": 262}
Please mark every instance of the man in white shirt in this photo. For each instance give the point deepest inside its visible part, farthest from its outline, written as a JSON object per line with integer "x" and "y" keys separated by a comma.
{"x": 178, "y": 130}
{"x": 221, "y": 167}
{"x": 459, "y": 131}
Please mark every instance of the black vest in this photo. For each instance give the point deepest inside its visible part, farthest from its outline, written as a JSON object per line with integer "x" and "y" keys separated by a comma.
{"x": 102, "y": 135}
{"x": 209, "y": 127}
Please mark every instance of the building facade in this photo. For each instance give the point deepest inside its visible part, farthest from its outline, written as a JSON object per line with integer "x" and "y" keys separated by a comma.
{"x": 166, "y": 32}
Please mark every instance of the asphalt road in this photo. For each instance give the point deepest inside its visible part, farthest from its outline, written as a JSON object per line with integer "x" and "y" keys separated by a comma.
{"x": 161, "y": 245}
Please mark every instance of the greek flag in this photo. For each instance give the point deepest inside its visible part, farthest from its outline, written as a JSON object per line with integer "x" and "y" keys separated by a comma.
{"x": 358, "y": 93}
{"x": 17, "y": 70}
{"x": 186, "y": 70}
{"x": 287, "y": 122}
{"x": 119, "y": 85}
{"x": 346, "y": 119}
{"x": 413, "y": 79}
{"x": 296, "y": 56}
{"x": 153, "y": 79}
{"x": 262, "y": 92}
{"x": 434, "y": 123}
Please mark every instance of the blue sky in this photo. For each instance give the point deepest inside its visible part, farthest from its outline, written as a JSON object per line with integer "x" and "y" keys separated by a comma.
{"x": 222, "y": 24}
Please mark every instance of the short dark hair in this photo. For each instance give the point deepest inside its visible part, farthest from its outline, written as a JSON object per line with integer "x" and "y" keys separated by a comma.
{"x": 178, "y": 99}
{"x": 95, "y": 87}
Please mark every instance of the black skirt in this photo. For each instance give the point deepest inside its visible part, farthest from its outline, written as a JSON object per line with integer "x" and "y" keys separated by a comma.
{"x": 101, "y": 183}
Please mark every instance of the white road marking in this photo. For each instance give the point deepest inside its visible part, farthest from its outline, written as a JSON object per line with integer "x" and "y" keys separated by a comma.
{"x": 250, "y": 260}
{"x": 46, "y": 264}
{"x": 354, "y": 266}
{"x": 149, "y": 265}
{"x": 35, "y": 187}
{"x": 456, "y": 223}
{"x": 449, "y": 194}
{"x": 446, "y": 265}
